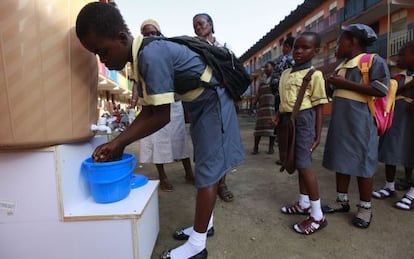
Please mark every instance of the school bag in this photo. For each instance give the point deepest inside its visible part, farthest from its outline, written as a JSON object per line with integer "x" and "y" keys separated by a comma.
{"x": 382, "y": 108}
{"x": 226, "y": 68}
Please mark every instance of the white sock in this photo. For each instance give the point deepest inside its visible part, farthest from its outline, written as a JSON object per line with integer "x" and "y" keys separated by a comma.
{"x": 195, "y": 244}
{"x": 304, "y": 201}
{"x": 342, "y": 196}
{"x": 365, "y": 204}
{"x": 210, "y": 222}
{"x": 411, "y": 192}
{"x": 316, "y": 211}
{"x": 390, "y": 185}
{"x": 189, "y": 230}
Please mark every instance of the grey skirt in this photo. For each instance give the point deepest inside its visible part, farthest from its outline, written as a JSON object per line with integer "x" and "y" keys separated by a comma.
{"x": 352, "y": 143}
{"x": 216, "y": 136}
{"x": 396, "y": 146}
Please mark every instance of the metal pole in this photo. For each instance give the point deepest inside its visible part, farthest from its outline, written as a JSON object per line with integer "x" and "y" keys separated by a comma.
{"x": 388, "y": 31}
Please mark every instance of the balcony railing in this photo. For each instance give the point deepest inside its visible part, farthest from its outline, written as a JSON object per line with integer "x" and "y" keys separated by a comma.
{"x": 326, "y": 24}
{"x": 398, "y": 39}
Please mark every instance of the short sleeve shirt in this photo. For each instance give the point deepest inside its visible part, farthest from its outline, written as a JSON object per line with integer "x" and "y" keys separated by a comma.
{"x": 289, "y": 86}
{"x": 162, "y": 62}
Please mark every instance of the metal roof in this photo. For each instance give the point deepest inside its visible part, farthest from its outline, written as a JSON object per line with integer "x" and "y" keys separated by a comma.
{"x": 283, "y": 26}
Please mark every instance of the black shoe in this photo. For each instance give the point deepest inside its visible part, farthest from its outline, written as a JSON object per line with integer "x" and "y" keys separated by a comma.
{"x": 363, "y": 217}
{"x": 338, "y": 206}
{"x": 202, "y": 255}
{"x": 179, "y": 234}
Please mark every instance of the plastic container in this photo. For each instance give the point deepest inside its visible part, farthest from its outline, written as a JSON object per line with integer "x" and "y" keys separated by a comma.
{"x": 112, "y": 181}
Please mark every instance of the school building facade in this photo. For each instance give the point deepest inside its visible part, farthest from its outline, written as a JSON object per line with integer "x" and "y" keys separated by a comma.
{"x": 392, "y": 20}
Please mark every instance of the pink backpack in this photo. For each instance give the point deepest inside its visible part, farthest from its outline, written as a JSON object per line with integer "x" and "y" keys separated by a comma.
{"x": 382, "y": 108}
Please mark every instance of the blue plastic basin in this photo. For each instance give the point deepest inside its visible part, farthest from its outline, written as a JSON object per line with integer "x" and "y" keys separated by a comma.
{"x": 111, "y": 181}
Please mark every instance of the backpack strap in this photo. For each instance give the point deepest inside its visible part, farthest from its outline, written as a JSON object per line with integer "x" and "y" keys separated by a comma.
{"x": 364, "y": 64}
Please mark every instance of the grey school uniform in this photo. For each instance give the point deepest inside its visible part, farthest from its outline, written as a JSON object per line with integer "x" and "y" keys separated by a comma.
{"x": 352, "y": 143}
{"x": 214, "y": 125}
{"x": 396, "y": 146}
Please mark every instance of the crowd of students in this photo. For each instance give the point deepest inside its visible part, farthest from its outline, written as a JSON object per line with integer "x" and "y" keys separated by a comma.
{"x": 352, "y": 142}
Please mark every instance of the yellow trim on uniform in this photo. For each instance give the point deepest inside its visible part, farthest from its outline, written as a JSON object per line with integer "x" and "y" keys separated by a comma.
{"x": 350, "y": 95}
{"x": 404, "y": 98}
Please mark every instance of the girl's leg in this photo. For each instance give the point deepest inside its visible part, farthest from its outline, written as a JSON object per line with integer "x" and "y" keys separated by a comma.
{"x": 271, "y": 145}
{"x": 342, "y": 182}
{"x": 364, "y": 215}
{"x": 205, "y": 202}
{"x": 342, "y": 200}
{"x": 389, "y": 189}
{"x": 404, "y": 183}
{"x": 316, "y": 221}
{"x": 165, "y": 185}
{"x": 189, "y": 176}
{"x": 224, "y": 193}
{"x": 390, "y": 172}
{"x": 256, "y": 145}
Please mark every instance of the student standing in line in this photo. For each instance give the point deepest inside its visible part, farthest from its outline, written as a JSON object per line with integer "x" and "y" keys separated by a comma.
{"x": 284, "y": 62}
{"x": 351, "y": 147}
{"x": 214, "y": 130}
{"x": 204, "y": 28}
{"x": 396, "y": 146}
{"x": 308, "y": 128}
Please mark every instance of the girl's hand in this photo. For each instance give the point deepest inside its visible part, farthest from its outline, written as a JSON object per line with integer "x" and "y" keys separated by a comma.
{"x": 336, "y": 80}
{"x": 107, "y": 152}
{"x": 315, "y": 144}
{"x": 275, "y": 120}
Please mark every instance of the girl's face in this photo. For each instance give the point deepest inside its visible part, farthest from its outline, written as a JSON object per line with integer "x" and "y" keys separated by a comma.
{"x": 344, "y": 46}
{"x": 304, "y": 49}
{"x": 114, "y": 53}
{"x": 268, "y": 69}
{"x": 149, "y": 30}
{"x": 405, "y": 58}
{"x": 202, "y": 28}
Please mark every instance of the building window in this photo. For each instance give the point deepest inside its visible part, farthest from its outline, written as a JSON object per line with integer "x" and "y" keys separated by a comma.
{"x": 331, "y": 52}
{"x": 399, "y": 21}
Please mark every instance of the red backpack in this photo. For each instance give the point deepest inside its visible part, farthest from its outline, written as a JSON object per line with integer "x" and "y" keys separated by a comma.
{"x": 382, "y": 108}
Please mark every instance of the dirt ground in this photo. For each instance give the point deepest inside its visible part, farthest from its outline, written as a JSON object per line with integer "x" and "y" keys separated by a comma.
{"x": 252, "y": 226}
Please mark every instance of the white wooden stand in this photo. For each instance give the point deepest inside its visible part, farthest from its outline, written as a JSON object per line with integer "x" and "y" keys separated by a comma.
{"x": 46, "y": 210}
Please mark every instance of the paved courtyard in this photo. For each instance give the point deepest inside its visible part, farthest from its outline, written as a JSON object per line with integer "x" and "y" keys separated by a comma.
{"x": 252, "y": 226}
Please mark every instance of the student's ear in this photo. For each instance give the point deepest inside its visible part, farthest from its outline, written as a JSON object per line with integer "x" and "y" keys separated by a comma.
{"x": 123, "y": 37}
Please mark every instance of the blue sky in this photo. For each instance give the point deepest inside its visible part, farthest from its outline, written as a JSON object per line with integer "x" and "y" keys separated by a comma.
{"x": 238, "y": 23}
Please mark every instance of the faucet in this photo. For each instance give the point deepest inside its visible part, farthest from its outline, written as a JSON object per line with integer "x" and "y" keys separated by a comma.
{"x": 101, "y": 126}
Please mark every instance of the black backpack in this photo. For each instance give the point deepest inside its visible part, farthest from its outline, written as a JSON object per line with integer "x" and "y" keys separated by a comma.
{"x": 227, "y": 69}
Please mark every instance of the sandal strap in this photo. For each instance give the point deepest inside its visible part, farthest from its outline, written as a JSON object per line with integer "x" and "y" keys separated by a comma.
{"x": 294, "y": 209}
{"x": 407, "y": 200}
{"x": 310, "y": 225}
{"x": 383, "y": 193}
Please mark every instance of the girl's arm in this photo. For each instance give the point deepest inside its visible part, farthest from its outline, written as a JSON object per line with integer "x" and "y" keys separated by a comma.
{"x": 149, "y": 120}
{"x": 318, "y": 127}
{"x": 342, "y": 83}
